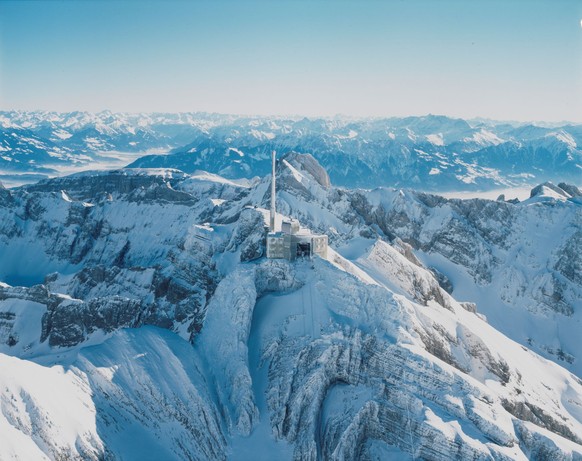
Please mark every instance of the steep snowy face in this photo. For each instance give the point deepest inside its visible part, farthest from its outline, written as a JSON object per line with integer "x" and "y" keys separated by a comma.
{"x": 140, "y": 395}
{"x": 145, "y": 296}
{"x": 125, "y": 247}
{"x": 344, "y": 366}
{"x": 312, "y": 362}
{"x": 518, "y": 262}
{"x": 295, "y": 163}
{"x": 141, "y": 235}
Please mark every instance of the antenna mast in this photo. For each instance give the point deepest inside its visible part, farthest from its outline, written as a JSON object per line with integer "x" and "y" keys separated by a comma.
{"x": 273, "y": 197}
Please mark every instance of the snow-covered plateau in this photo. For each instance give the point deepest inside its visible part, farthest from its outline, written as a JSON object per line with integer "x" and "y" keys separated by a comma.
{"x": 140, "y": 320}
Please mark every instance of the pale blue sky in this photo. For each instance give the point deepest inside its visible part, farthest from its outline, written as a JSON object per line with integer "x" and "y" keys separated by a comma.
{"x": 501, "y": 59}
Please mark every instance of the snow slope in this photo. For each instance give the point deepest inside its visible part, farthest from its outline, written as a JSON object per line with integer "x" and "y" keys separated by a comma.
{"x": 137, "y": 396}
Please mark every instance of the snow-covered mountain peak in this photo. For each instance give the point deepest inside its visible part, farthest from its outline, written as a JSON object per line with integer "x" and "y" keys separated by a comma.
{"x": 435, "y": 329}
{"x": 303, "y": 173}
{"x": 550, "y": 191}
{"x": 484, "y": 137}
{"x": 564, "y": 137}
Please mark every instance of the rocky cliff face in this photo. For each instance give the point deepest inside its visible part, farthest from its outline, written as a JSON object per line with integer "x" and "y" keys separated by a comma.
{"x": 513, "y": 255}
{"x": 125, "y": 241}
{"x": 343, "y": 370}
{"x": 145, "y": 295}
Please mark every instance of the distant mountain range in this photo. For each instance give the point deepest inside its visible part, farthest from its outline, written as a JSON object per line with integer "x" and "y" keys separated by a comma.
{"x": 46, "y": 143}
{"x": 434, "y": 153}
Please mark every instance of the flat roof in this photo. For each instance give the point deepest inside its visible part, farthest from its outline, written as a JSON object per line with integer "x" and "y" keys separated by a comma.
{"x": 297, "y": 234}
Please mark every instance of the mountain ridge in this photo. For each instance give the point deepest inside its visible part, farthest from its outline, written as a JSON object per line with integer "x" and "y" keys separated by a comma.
{"x": 152, "y": 291}
{"x": 434, "y": 153}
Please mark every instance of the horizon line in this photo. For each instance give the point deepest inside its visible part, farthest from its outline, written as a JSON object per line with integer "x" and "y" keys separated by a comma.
{"x": 339, "y": 116}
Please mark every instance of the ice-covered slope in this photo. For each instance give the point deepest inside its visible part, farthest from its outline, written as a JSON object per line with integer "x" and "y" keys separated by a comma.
{"x": 363, "y": 356}
{"x": 518, "y": 261}
{"x": 140, "y": 395}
